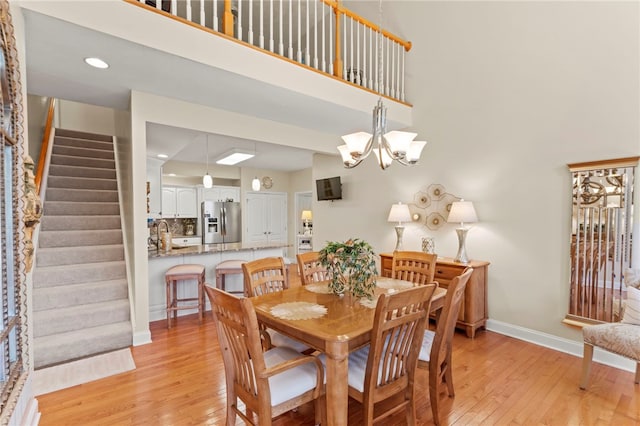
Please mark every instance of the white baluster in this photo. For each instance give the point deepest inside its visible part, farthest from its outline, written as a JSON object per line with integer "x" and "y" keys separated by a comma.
{"x": 299, "y": 51}
{"x": 344, "y": 48}
{"x": 330, "y": 71}
{"x": 324, "y": 54}
{"x": 250, "y": 32}
{"x": 271, "y": 25}
{"x": 399, "y": 46}
{"x": 392, "y": 59}
{"x": 358, "y": 79}
{"x": 239, "y": 35}
{"x": 351, "y": 70}
{"x": 402, "y": 76}
{"x": 281, "y": 39}
{"x": 158, "y": 4}
{"x": 364, "y": 56}
{"x": 202, "y": 16}
{"x": 378, "y": 79}
{"x": 290, "y": 29}
{"x": 174, "y": 7}
{"x": 387, "y": 83}
{"x": 315, "y": 34}
{"x": 188, "y": 9}
{"x": 307, "y": 56}
{"x": 215, "y": 15}
{"x": 261, "y": 38}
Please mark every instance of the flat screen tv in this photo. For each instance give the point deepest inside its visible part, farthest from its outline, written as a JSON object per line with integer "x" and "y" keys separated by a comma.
{"x": 329, "y": 189}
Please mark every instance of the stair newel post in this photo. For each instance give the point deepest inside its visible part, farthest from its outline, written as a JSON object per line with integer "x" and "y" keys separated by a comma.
{"x": 337, "y": 61}
{"x": 227, "y": 19}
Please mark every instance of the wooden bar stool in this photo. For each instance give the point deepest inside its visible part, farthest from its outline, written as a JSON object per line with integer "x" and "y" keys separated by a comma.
{"x": 188, "y": 271}
{"x": 228, "y": 267}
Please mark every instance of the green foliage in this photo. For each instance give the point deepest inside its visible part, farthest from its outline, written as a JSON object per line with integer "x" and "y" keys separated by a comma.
{"x": 352, "y": 267}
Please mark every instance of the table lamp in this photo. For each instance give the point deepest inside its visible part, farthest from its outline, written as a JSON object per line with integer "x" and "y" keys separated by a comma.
{"x": 462, "y": 211}
{"x": 399, "y": 213}
{"x": 306, "y": 217}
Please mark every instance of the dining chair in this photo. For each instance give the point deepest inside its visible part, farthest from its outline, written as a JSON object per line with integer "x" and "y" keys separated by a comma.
{"x": 310, "y": 268}
{"x": 385, "y": 369}
{"x": 269, "y": 275}
{"x": 415, "y": 266}
{"x": 268, "y": 383}
{"x": 435, "y": 354}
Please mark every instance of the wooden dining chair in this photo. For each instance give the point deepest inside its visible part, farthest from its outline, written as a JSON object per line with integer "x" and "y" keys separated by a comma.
{"x": 269, "y": 275}
{"x": 415, "y": 266}
{"x": 268, "y": 383}
{"x": 386, "y": 368}
{"x": 435, "y": 354}
{"x": 310, "y": 268}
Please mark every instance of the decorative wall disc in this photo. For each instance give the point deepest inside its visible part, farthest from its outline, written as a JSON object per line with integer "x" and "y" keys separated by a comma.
{"x": 422, "y": 199}
{"x": 431, "y": 206}
{"x": 435, "y": 221}
{"x": 417, "y": 214}
{"x": 436, "y": 191}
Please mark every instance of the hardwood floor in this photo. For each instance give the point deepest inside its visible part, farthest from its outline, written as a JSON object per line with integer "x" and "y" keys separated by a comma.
{"x": 179, "y": 380}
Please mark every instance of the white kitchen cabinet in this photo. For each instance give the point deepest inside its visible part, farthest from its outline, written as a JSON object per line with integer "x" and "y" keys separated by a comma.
{"x": 178, "y": 201}
{"x": 266, "y": 217}
{"x": 221, "y": 193}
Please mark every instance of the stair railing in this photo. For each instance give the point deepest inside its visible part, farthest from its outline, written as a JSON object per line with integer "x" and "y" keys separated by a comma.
{"x": 44, "y": 148}
{"x": 320, "y": 34}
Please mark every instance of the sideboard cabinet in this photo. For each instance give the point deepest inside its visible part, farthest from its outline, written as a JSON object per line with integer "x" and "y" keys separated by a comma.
{"x": 473, "y": 310}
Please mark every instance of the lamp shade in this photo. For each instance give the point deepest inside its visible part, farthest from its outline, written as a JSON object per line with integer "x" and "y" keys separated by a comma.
{"x": 357, "y": 142}
{"x": 399, "y": 213}
{"x": 255, "y": 184}
{"x": 207, "y": 181}
{"x": 306, "y": 215}
{"x": 462, "y": 211}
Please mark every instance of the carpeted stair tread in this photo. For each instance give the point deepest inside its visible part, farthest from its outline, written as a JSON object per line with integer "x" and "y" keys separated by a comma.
{"x": 78, "y": 294}
{"x": 85, "y": 183}
{"x": 80, "y": 238}
{"x": 76, "y": 134}
{"x": 64, "y": 320}
{"x": 82, "y": 151}
{"x": 58, "y": 348}
{"x": 69, "y": 160}
{"x": 81, "y": 172}
{"x": 64, "y": 141}
{"x": 82, "y": 195}
{"x": 77, "y": 223}
{"x": 52, "y": 276}
{"x": 81, "y": 209}
{"x": 51, "y": 256}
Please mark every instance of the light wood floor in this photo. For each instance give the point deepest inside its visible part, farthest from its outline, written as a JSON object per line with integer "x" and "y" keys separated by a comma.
{"x": 499, "y": 380}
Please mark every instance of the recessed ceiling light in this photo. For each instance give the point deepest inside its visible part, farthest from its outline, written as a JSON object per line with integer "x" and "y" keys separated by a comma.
{"x": 172, "y": 174}
{"x": 163, "y": 156}
{"x": 234, "y": 157}
{"x": 96, "y": 62}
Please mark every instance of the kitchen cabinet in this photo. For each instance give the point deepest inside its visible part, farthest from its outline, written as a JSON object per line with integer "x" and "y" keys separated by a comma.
{"x": 266, "y": 217}
{"x": 221, "y": 193}
{"x": 154, "y": 182}
{"x": 473, "y": 309}
{"x": 178, "y": 201}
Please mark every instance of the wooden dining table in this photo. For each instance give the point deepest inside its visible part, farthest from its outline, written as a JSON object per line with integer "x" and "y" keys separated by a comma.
{"x": 345, "y": 327}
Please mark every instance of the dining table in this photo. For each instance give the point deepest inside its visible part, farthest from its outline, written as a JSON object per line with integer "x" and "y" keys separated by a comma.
{"x": 332, "y": 324}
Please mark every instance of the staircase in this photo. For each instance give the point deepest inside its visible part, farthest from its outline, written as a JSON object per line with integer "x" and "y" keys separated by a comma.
{"x": 80, "y": 294}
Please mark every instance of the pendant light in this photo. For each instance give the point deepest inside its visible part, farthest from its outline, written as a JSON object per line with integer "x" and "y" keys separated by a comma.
{"x": 255, "y": 184}
{"x": 207, "y": 180}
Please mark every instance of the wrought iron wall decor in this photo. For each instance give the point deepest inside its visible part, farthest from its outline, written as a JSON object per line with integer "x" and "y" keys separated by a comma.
{"x": 431, "y": 206}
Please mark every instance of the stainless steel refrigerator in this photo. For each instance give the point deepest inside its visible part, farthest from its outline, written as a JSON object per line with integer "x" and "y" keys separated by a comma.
{"x": 221, "y": 222}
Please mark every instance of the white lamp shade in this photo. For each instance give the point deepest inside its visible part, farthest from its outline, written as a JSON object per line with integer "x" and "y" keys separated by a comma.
{"x": 347, "y": 159}
{"x": 255, "y": 184}
{"x": 399, "y": 141}
{"x": 414, "y": 151}
{"x": 399, "y": 213}
{"x": 462, "y": 211}
{"x": 356, "y": 142}
{"x": 386, "y": 159}
{"x": 207, "y": 181}
{"x": 306, "y": 215}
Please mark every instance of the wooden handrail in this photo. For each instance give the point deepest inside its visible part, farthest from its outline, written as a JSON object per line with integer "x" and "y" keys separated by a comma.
{"x": 339, "y": 8}
{"x": 44, "y": 148}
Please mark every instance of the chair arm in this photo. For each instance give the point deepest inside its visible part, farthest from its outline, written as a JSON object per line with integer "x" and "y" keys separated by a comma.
{"x": 292, "y": 363}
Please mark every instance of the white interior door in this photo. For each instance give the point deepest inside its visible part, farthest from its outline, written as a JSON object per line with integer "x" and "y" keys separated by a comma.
{"x": 266, "y": 217}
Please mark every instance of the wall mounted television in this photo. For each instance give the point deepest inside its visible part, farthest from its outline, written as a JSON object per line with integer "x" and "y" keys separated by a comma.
{"x": 329, "y": 188}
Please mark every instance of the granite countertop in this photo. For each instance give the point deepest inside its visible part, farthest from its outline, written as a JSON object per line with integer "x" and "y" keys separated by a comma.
{"x": 213, "y": 248}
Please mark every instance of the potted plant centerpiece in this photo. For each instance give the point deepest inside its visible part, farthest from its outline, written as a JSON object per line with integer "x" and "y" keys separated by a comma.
{"x": 351, "y": 266}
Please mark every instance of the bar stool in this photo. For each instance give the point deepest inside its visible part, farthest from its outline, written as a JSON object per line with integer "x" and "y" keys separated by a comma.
{"x": 228, "y": 267}
{"x": 188, "y": 271}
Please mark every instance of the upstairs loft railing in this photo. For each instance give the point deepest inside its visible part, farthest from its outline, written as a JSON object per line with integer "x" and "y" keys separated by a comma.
{"x": 320, "y": 34}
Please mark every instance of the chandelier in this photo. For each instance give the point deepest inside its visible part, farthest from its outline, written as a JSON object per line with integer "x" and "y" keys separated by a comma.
{"x": 388, "y": 146}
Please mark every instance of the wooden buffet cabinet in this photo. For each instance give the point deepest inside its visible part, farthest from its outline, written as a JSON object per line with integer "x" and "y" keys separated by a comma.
{"x": 473, "y": 310}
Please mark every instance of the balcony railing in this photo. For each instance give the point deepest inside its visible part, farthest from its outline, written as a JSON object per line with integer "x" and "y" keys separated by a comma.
{"x": 319, "y": 34}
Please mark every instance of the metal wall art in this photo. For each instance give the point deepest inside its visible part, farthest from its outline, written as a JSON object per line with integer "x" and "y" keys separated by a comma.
{"x": 431, "y": 206}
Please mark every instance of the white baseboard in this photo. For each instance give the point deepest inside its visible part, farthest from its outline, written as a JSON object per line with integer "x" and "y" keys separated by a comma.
{"x": 560, "y": 344}
{"x": 141, "y": 337}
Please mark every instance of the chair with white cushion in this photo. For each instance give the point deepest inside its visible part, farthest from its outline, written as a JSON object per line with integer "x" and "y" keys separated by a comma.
{"x": 386, "y": 368}
{"x": 622, "y": 338}
{"x": 435, "y": 354}
{"x": 268, "y": 383}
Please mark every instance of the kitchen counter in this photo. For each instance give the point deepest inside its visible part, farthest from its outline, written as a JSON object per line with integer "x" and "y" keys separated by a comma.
{"x": 214, "y": 248}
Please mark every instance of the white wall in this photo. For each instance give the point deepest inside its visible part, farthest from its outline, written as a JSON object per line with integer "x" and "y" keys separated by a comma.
{"x": 85, "y": 118}
{"x": 506, "y": 94}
